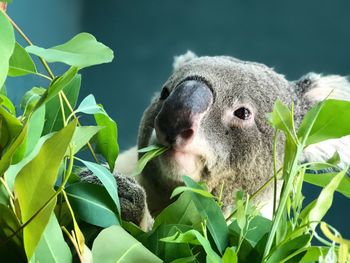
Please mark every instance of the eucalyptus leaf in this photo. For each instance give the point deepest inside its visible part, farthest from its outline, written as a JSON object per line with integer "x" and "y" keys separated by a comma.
{"x": 36, "y": 180}
{"x": 281, "y": 118}
{"x": 329, "y": 123}
{"x": 324, "y": 179}
{"x": 7, "y": 103}
{"x": 195, "y": 238}
{"x": 52, "y": 248}
{"x": 89, "y": 106}
{"x": 212, "y": 214}
{"x": 57, "y": 85}
{"x": 35, "y": 128}
{"x": 82, "y": 136}
{"x": 20, "y": 62}
{"x": 107, "y": 248}
{"x": 230, "y": 256}
{"x": 106, "y": 178}
{"x": 181, "y": 189}
{"x": 14, "y": 169}
{"x": 164, "y": 250}
{"x": 81, "y": 51}
{"x": 6, "y": 159}
{"x": 30, "y": 99}
{"x": 54, "y": 118}
{"x": 9, "y": 224}
{"x": 92, "y": 204}
{"x": 3, "y": 90}
{"x": 283, "y": 251}
{"x": 182, "y": 211}
{"x": 148, "y": 156}
{"x": 325, "y": 199}
{"x": 7, "y": 45}
{"x": 106, "y": 139}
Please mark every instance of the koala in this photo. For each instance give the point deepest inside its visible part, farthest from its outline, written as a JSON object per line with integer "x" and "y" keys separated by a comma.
{"x": 211, "y": 113}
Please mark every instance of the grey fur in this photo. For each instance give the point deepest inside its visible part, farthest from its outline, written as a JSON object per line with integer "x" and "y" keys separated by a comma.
{"x": 238, "y": 155}
{"x": 131, "y": 196}
{"x": 241, "y": 157}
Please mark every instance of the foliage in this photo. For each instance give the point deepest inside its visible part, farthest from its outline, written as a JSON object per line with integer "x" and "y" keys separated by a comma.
{"x": 47, "y": 215}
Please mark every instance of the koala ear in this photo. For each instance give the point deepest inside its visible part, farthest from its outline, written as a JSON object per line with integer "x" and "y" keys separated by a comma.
{"x": 315, "y": 87}
{"x": 311, "y": 89}
{"x": 179, "y": 61}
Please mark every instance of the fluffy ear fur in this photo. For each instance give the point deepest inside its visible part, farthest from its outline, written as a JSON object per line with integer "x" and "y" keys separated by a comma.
{"x": 179, "y": 61}
{"x": 315, "y": 87}
{"x": 311, "y": 89}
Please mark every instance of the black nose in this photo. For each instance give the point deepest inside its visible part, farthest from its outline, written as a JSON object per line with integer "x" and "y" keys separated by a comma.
{"x": 178, "y": 120}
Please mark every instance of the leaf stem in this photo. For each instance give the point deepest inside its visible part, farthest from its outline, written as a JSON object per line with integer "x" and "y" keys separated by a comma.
{"x": 255, "y": 194}
{"x": 274, "y": 173}
{"x": 74, "y": 242}
{"x": 283, "y": 201}
{"x": 75, "y": 116}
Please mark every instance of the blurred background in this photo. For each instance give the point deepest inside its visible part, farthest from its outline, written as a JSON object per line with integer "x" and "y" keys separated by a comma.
{"x": 294, "y": 37}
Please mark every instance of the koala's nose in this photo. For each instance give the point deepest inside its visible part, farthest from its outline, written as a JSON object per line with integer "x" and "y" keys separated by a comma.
{"x": 178, "y": 120}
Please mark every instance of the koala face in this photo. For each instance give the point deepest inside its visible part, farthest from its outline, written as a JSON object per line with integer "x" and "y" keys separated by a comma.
{"x": 211, "y": 113}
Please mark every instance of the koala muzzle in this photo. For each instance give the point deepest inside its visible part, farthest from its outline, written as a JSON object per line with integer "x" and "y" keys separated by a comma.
{"x": 177, "y": 122}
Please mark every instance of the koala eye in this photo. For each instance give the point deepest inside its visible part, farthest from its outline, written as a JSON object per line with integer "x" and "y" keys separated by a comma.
{"x": 242, "y": 113}
{"x": 164, "y": 93}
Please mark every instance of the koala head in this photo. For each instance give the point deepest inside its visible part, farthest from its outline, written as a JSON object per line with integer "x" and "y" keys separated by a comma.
{"x": 211, "y": 112}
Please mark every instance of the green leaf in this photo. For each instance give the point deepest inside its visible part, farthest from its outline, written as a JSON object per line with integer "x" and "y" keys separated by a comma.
{"x": 20, "y": 62}
{"x": 57, "y": 85}
{"x": 212, "y": 214}
{"x": 54, "y": 119}
{"x": 182, "y": 211}
{"x": 286, "y": 249}
{"x": 7, "y": 44}
{"x": 324, "y": 179}
{"x": 106, "y": 178}
{"x": 81, "y": 51}
{"x": 151, "y": 154}
{"x": 14, "y": 169}
{"x": 35, "y": 128}
{"x": 9, "y": 224}
{"x": 166, "y": 251}
{"x": 281, "y": 118}
{"x": 36, "y": 180}
{"x": 3, "y": 90}
{"x": 6, "y": 159}
{"x": 12, "y": 250}
{"x": 258, "y": 227}
{"x": 7, "y": 103}
{"x": 189, "y": 259}
{"x": 82, "y": 136}
{"x": 195, "y": 238}
{"x": 89, "y": 106}
{"x": 92, "y": 204}
{"x": 313, "y": 254}
{"x": 230, "y": 256}
{"x": 30, "y": 99}
{"x": 106, "y": 139}
{"x": 107, "y": 248}
{"x": 10, "y": 123}
{"x": 325, "y": 199}
{"x": 52, "y": 248}
{"x": 329, "y": 123}
{"x": 181, "y": 189}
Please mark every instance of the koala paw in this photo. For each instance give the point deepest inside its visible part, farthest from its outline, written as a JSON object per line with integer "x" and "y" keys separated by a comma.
{"x": 132, "y": 198}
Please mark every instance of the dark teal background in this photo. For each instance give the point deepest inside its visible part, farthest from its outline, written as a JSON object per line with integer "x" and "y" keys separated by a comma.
{"x": 294, "y": 37}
